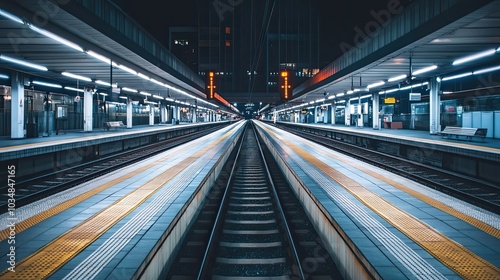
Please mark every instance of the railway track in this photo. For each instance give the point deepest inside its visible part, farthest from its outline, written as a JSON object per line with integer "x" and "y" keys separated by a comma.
{"x": 260, "y": 230}
{"x": 33, "y": 189}
{"x": 472, "y": 190}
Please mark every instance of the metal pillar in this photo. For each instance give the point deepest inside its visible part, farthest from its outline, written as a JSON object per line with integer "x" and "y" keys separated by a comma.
{"x": 434, "y": 106}
{"x": 17, "y": 110}
{"x": 129, "y": 113}
{"x": 377, "y": 122}
{"x": 88, "y": 117}
{"x": 151, "y": 114}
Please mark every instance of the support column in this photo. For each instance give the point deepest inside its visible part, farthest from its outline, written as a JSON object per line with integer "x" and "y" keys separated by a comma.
{"x": 129, "y": 113}
{"x": 376, "y": 111}
{"x": 275, "y": 116}
{"x": 325, "y": 115}
{"x": 434, "y": 106}
{"x": 359, "y": 116}
{"x": 163, "y": 113}
{"x": 175, "y": 114}
{"x": 334, "y": 108}
{"x": 347, "y": 114}
{"x": 151, "y": 114}
{"x": 316, "y": 114}
{"x": 88, "y": 116}
{"x": 17, "y": 110}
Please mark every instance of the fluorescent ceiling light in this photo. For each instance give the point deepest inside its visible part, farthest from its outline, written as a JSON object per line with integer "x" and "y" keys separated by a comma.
{"x": 397, "y": 78}
{"x": 350, "y": 92}
{"x": 157, "y": 96}
{"x": 122, "y": 97}
{"x": 486, "y": 70}
{"x": 366, "y": 96}
{"x": 376, "y": 84}
{"x": 129, "y": 89}
{"x": 456, "y": 76}
{"x": 56, "y": 37}
{"x": 103, "y": 94}
{"x": 11, "y": 16}
{"x": 320, "y": 100}
{"x": 47, "y": 84}
{"x": 2, "y": 76}
{"x": 78, "y": 77}
{"x": 473, "y": 57}
{"x": 103, "y": 83}
{"x": 145, "y": 93}
{"x": 106, "y": 83}
{"x": 157, "y": 82}
{"x": 75, "y": 89}
{"x": 143, "y": 76}
{"x": 391, "y": 90}
{"x": 169, "y": 99}
{"x": 426, "y": 69}
{"x": 340, "y": 94}
{"x": 125, "y": 68}
{"x": 100, "y": 57}
{"x": 331, "y": 96}
{"x": 24, "y": 63}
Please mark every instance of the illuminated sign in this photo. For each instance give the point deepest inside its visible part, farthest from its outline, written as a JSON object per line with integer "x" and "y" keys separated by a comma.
{"x": 390, "y": 100}
{"x": 210, "y": 85}
{"x": 285, "y": 85}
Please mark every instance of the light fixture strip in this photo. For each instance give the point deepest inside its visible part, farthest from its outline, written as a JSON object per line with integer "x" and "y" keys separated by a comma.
{"x": 103, "y": 83}
{"x": 377, "y": 84}
{"x": 129, "y": 89}
{"x": 24, "y": 63}
{"x": 11, "y": 16}
{"x": 426, "y": 69}
{"x": 126, "y": 69}
{"x": 456, "y": 76}
{"x": 2, "y": 76}
{"x": 145, "y": 93}
{"x": 47, "y": 84}
{"x": 474, "y": 57}
{"x": 143, "y": 76}
{"x": 56, "y": 38}
{"x": 486, "y": 70}
{"x": 78, "y": 77}
{"x": 397, "y": 78}
{"x": 100, "y": 57}
{"x": 75, "y": 89}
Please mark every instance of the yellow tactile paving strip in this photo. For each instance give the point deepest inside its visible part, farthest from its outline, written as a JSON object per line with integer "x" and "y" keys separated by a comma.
{"x": 55, "y": 254}
{"x": 23, "y": 225}
{"x": 458, "y": 258}
{"x": 435, "y": 203}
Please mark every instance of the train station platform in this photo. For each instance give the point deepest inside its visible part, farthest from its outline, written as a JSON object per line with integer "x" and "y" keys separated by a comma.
{"x": 127, "y": 224}
{"x": 120, "y": 226}
{"x": 478, "y": 158}
{"x": 380, "y": 225}
{"x": 34, "y": 157}
{"x": 7, "y": 144}
{"x": 487, "y": 143}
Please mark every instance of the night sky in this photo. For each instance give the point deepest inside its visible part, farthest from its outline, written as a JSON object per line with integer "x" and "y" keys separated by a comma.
{"x": 342, "y": 22}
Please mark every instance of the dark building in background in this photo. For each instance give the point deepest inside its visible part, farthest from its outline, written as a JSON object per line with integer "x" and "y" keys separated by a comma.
{"x": 247, "y": 42}
{"x": 183, "y": 43}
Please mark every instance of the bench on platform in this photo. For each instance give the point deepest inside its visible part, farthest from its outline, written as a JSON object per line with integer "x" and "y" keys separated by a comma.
{"x": 117, "y": 124}
{"x": 468, "y": 132}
